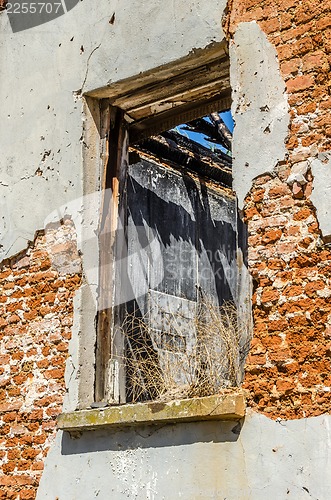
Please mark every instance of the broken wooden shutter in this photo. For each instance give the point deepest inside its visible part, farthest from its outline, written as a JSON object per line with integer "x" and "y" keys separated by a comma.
{"x": 181, "y": 239}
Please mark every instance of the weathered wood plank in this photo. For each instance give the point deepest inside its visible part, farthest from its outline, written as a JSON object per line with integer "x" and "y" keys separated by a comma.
{"x": 203, "y": 77}
{"x": 216, "y": 51}
{"x": 167, "y": 119}
{"x": 107, "y": 246}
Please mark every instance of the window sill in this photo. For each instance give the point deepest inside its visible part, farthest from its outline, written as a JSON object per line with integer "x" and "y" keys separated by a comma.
{"x": 227, "y": 406}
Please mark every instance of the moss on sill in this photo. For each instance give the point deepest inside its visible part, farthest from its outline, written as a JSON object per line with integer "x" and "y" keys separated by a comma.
{"x": 226, "y": 406}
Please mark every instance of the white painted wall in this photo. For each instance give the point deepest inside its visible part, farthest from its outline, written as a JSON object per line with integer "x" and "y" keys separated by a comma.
{"x": 42, "y": 70}
{"x": 259, "y": 107}
{"x": 321, "y": 170}
{"x": 206, "y": 460}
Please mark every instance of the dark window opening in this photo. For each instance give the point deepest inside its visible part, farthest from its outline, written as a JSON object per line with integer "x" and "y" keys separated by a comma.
{"x": 202, "y": 146}
{"x": 173, "y": 328}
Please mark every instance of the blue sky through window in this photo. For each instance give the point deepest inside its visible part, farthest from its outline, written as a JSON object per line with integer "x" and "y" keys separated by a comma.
{"x": 199, "y": 137}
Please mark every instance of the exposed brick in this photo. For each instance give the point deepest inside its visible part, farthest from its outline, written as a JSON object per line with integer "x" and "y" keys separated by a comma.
{"x": 299, "y": 83}
{"x": 271, "y": 236}
{"x": 290, "y": 354}
{"x": 31, "y": 428}
{"x": 269, "y": 295}
{"x": 315, "y": 60}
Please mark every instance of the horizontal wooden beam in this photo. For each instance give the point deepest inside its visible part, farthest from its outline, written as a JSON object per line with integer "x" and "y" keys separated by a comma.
{"x": 161, "y": 74}
{"x": 170, "y": 118}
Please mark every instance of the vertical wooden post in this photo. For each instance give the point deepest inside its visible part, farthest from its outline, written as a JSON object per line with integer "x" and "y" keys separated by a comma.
{"x": 111, "y": 228}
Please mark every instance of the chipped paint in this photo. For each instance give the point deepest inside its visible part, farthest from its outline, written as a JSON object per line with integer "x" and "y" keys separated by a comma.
{"x": 321, "y": 170}
{"x": 259, "y": 108}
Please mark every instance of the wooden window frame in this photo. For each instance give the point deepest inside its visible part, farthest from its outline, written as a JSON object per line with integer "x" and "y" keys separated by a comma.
{"x": 126, "y": 116}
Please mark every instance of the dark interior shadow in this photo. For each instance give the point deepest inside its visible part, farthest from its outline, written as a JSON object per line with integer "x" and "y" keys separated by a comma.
{"x": 151, "y": 436}
{"x": 184, "y": 222}
{"x": 170, "y": 219}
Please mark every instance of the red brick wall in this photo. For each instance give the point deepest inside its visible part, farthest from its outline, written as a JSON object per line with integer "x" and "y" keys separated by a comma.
{"x": 301, "y": 33}
{"x": 35, "y": 329}
{"x": 289, "y": 366}
{"x": 288, "y": 369}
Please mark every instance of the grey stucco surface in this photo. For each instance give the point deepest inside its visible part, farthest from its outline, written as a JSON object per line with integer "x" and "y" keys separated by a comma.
{"x": 50, "y": 155}
{"x": 47, "y": 67}
{"x": 206, "y": 460}
{"x": 259, "y": 107}
{"x": 321, "y": 170}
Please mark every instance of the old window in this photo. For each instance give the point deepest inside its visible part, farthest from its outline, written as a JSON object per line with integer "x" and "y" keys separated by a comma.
{"x": 171, "y": 248}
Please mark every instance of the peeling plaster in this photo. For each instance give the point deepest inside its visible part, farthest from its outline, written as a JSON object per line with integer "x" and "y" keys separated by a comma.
{"x": 256, "y": 459}
{"x": 79, "y": 373}
{"x": 50, "y": 145}
{"x": 321, "y": 195}
{"x": 46, "y": 112}
{"x": 260, "y": 108}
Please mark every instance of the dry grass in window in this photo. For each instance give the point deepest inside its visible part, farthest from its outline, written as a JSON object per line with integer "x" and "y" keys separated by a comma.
{"x": 170, "y": 364}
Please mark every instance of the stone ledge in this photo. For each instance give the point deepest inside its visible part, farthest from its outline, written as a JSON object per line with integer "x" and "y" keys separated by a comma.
{"x": 227, "y": 406}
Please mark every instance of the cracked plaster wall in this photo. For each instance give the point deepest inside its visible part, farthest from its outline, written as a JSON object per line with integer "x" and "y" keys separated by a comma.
{"x": 41, "y": 118}
{"x": 50, "y": 159}
{"x": 264, "y": 459}
{"x": 261, "y": 113}
{"x": 259, "y": 107}
{"x": 321, "y": 170}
